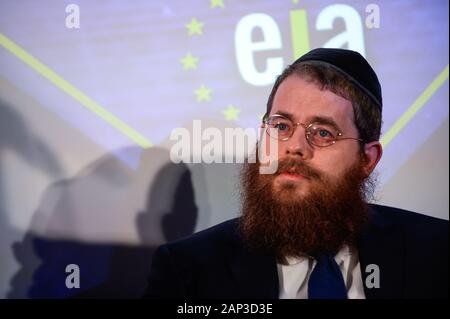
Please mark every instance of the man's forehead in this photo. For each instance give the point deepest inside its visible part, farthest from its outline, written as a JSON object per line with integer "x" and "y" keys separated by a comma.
{"x": 301, "y": 100}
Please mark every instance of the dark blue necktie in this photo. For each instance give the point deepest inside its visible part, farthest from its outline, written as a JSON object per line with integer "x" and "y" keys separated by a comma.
{"x": 326, "y": 281}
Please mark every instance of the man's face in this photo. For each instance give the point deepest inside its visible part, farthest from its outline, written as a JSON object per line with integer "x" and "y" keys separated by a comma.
{"x": 315, "y": 202}
{"x": 304, "y": 102}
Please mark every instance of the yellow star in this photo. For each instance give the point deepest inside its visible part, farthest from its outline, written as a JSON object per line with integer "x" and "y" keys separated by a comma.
{"x": 189, "y": 61}
{"x": 231, "y": 113}
{"x": 195, "y": 27}
{"x": 203, "y": 93}
{"x": 216, "y": 3}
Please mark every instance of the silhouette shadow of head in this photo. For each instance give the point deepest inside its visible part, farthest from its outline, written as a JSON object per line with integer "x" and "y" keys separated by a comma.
{"x": 107, "y": 269}
{"x": 181, "y": 220}
{"x": 129, "y": 267}
{"x": 171, "y": 189}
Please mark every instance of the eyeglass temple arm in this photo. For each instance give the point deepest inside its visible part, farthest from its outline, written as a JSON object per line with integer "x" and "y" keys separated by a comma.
{"x": 350, "y": 138}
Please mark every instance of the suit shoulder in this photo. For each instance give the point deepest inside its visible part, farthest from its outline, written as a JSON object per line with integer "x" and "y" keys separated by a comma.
{"x": 414, "y": 224}
{"x": 208, "y": 241}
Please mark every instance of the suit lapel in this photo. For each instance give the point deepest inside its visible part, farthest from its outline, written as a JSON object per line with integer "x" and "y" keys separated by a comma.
{"x": 381, "y": 244}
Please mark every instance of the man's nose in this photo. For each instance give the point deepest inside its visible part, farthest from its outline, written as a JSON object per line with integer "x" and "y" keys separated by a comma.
{"x": 297, "y": 144}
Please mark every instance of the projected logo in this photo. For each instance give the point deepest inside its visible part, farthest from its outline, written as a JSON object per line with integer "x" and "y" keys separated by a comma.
{"x": 352, "y": 37}
{"x": 249, "y": 53}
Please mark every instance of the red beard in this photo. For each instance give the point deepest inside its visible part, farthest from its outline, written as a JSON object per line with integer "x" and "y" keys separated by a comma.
{"x": 330, "y": 215}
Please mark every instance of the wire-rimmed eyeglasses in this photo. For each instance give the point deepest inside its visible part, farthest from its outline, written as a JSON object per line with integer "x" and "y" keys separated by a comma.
{"x": 317, "y": 133}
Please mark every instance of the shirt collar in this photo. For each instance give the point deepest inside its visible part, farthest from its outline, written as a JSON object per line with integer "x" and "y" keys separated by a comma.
{"x": 343, "y": 255}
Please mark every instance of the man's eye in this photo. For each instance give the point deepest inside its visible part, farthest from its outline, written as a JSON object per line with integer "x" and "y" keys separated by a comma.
{"x": 282, "y": 127}
{"x": 324, "y": 133}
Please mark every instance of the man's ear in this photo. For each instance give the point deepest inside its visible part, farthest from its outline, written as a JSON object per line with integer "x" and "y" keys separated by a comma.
{"x": 373, "y": 152}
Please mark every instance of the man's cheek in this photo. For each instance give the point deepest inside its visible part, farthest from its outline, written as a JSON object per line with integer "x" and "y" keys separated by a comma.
{"x": 268, "y": 152}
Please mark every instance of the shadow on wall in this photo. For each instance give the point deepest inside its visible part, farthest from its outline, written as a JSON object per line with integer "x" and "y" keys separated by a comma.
{"x": 17, "y": 139}
{"x": 78, "y": 217}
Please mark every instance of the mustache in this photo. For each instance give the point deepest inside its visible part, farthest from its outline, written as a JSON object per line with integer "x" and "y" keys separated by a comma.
{"x": 297, "y": 166}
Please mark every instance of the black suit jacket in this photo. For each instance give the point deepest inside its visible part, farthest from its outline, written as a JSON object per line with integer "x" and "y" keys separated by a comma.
{"x": 410, "y": 249}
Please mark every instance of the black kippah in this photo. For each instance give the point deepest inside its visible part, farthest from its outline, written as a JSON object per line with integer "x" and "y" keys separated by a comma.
{"x": 353, "y": 65}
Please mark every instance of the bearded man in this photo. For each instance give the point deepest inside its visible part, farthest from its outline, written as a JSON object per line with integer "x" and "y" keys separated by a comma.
{"x": 307, "y": 231}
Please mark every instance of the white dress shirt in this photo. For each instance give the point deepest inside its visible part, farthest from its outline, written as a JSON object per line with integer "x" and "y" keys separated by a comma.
{"x": 293, "y": 277}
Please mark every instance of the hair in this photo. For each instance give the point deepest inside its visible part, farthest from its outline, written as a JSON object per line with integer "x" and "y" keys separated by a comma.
{"x": 367, "y": 115}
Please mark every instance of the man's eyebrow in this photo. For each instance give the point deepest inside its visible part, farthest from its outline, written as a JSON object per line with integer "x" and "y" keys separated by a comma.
{"x": 286, "y": 115}
{"x": 316, "y": 118}
{"x": 325, "y": 120}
